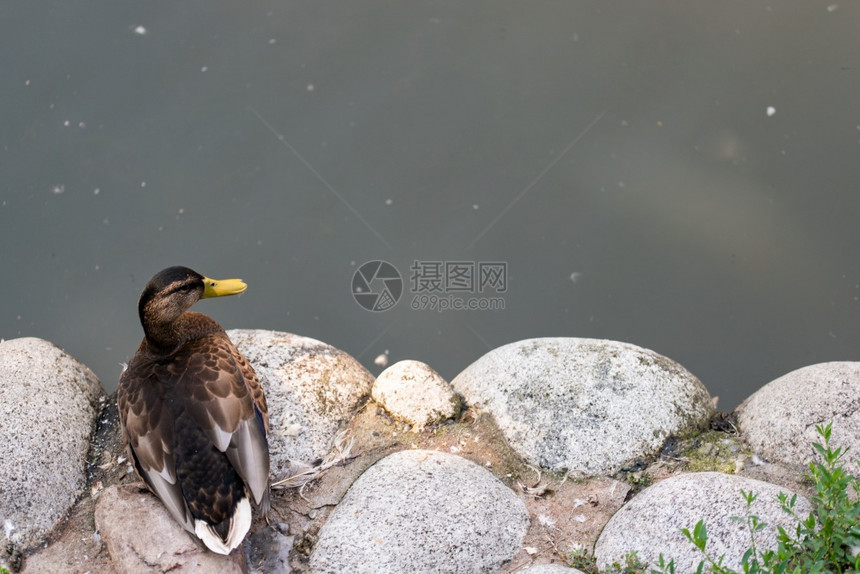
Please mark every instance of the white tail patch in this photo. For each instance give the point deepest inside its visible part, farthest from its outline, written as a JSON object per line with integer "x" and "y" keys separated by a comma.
{"x": 240, "y": 523}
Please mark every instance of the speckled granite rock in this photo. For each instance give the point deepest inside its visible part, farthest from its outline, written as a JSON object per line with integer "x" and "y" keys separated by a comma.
{"x": 584, "y": 404}
{"x": 48, "y": 405}
{"x": 779, "y": 419}
{"x": 422, "y": 511}
{"x": 413, "y": 392}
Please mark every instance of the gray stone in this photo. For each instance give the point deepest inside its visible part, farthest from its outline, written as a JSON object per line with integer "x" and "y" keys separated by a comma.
{"x": 268, "y": 550}
{"x": 48, "y": 405}
{"x": 651, "y": 523}
{"x": 778, "y": 420}
{"x": 312, "y": 390}
{"x": 585, "y": 405}
{"x": 142, "y": 537}
{"x": 422, "y": 511}
{"x": 413, "y": 392}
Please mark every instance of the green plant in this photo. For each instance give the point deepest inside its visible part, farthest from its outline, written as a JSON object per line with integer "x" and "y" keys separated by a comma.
{"x": 632, "y": 565}
{"x": 580, "y": 560}
{"x": 826, "y": 541}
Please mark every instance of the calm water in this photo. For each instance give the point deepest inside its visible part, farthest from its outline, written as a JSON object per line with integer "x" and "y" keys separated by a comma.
{"x": 681, "y": 176}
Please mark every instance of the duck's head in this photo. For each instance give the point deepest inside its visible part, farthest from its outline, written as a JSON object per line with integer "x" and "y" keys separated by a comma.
{"x": 172, "y": 291}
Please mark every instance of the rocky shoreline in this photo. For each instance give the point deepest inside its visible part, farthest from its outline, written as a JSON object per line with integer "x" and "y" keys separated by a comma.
{"x": 538, "y": 449}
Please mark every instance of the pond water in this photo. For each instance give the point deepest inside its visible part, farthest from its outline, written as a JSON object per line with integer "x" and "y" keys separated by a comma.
{"x": 677, "y": 175}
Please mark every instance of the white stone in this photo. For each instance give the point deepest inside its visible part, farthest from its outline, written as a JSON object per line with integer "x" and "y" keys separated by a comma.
{"x": 585, "y": 405}
{"x": 48, "y": 405}
{"x": 312, "y": 390}
{"x": 779, "y": 419}
{"x": 413, "y": 392}
{"x": 651, "y": 523}
{"x": 422, "y": 511}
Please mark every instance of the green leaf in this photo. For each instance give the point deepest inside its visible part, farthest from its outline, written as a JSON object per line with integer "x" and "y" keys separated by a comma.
{"x": 824, "y": 430}
{"x": 700, "y": 535}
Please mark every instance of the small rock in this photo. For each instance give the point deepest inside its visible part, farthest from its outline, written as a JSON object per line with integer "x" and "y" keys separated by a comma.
{"x": 584, "y": 404}
{"x": 316, "y": 387}
{"x": 651, "y": 523}
{"x": 268, "y": 550}
{"x": 48, "y": 405}
{"x": 142, "y": 537}
{"x": 422, "y": 511}
{"x": 413, "y": 392}
{"x": 778, "y": 420}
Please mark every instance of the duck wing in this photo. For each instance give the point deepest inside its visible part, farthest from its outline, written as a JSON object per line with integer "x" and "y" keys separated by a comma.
{"x": 148, "y": 427}
{"x": 220, "y": 391}
{"x": 209, "y": 384}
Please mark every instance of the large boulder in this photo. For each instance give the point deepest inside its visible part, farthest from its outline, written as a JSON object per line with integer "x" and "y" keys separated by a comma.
{"x": 422, "y": 511}
{"x": 779, "y": 419}
{"x": 48, "y": 405}
{"x": 585, "y": 405}
{"x": 312, "y": 389}
{"x": 651, "y": 523}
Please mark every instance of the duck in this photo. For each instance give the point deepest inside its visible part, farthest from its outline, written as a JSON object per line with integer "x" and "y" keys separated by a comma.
{"x": 193, "y": 413}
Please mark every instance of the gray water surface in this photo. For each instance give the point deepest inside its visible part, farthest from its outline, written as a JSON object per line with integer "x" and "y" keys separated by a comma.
{"x": 678, "y": 175}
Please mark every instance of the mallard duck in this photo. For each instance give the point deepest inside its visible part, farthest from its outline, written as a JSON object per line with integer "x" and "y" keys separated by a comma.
{"x": 193, "y": 413}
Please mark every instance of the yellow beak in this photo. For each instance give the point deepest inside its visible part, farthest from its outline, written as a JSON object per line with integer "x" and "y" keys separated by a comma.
{"x": 222, "y": 287}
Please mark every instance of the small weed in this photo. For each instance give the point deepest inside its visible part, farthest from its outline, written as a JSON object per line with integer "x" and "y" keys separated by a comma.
{"x": 640, "y": 480}
{"x": 632, "y": 565}
{"x": 580, "y": 560}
